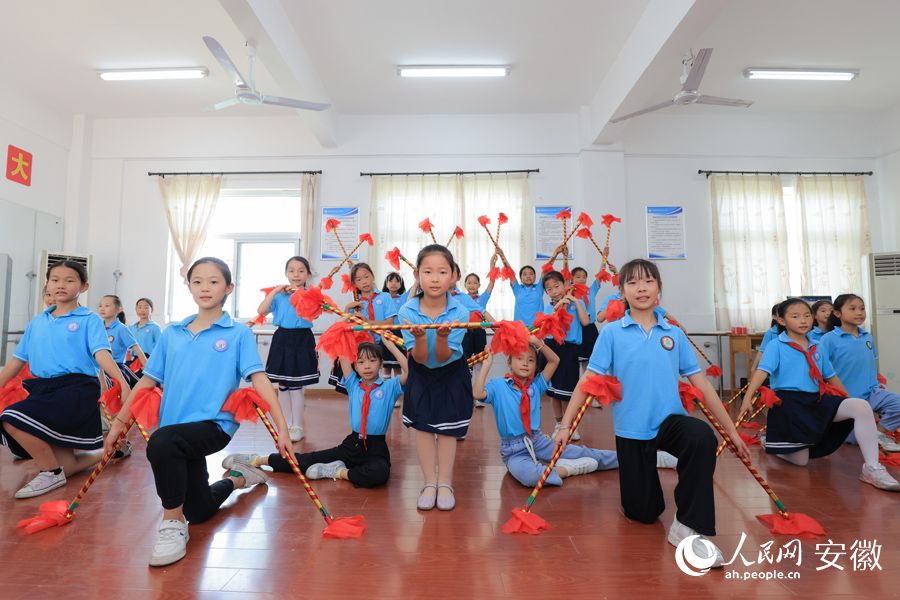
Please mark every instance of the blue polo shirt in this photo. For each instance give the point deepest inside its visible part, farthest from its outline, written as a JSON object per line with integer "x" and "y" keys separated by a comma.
{"x": 120, "y": 340}
{"x": 573, "y": 336}
{"x": 770, "y": 335}
{"x": 529, "y": 302}
{"x": 506, "y": 401}
{"x": 853, "y": 358}
{"x": 285, "y": 315}
{"x": 54, "y": 346}
{"x": 147, "y": 335}
{"x": 383, "y": 306}
{"x": 454, "y": 311}
{"x": 815, "y": 335}
{"x": 466, "y": 300}
{"x": 481, "y": 300}
{"x": 199, "y": 372}
{"x": 648, "y": 364}
{"x": 788, "y": 369}
{"x": 400, "y": 300}
{"x": 381, "y": 403}
{"x": 590, "y": 303}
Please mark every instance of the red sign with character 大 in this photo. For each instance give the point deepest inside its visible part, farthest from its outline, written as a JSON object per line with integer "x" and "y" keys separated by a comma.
{"x": 18, "y": 165}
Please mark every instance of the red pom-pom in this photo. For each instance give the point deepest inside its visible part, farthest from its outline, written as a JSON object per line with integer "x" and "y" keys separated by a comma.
{"x": 309, "y": 303}
{"x": 585, "y": 221}
{"x": 267, "y": 290}
{"x": 881, "y": 379}
{"x": 12, "y": 392}
{"x": 564, "y": 214}
{"x": 340, "y": 340}
{"x": 615, "y": 310}
{"x": 257, "y": 320}
{"x": 546, "y": 268}
{"x": 605, "y": 388}
{"x": 347, "y": 285}
{"x": 832, "y": 390}
{"x": 566, "y": 273}
{"x": 579, "y": 290}
{"x": 603, "y": 276}
{"x": 713, "y": 371}
{"x": 565, "y": 319}
{"x": 749, "y": 439}
{"x": 458, "y": 232}
{"x": 768, "y": 397}
{"x": 426, "y": 225}
{"x": 25, "y": 373}
{"x": 547, "y": 326}
{"x": 615, "y": 280}
{"x": 366, "y": 237}
{"x": 241, "y": 405}
{"x": 145, "y": 406}
{"x": 331, "y": 225}
{"x": 494, "y": 274}
{"x": 393, "y": 257}
{"x": 609, "y": 220}
{"x": 326, "y": 282}
{"x": 508, "y": 273}
{"x": 52, "y": 514}
{"x": 484, "y": 221}
{"x": 584, "y": 233}
{"x": 502, "y": 219}
{"x": 135, "y": 366}
{"x": 112, "y": 398}
{"x": 750, "y": 425}
{"x": 688, "y": 394}
{"x": 510, "y": 338}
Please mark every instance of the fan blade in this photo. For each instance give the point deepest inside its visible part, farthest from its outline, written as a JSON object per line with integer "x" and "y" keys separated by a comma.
{"x": 722, "y": 101}
{"x": 219, "y": 52}
{"x": 222, "y": 104}
{"x": 692, "y": 83}
{"x": 278, "y": 101}
{"x": 659, "y": 106}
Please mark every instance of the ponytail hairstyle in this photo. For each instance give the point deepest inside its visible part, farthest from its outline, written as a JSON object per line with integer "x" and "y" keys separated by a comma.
{"x": 392, "y": 276}
{"x": 637, "y": 268}
{"x": 784, "y": 306}
{"x": 815, "y": 309}
{"x": 834, "y": 321}
{"x": 775, "y": 314}
{"x": 118, "y": 302}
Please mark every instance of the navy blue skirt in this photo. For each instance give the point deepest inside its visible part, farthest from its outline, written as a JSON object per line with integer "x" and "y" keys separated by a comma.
{"x": 438, "y": 400}
{"x": 293, "y": 362}
{"x": 479, "y": 340}
{"x": 589, "y": 335}
{"x": 803, "y": 421}
{"x": 564, "y": 380}
{"x": 61, "y": 411}
{"x": 337, "y": 374}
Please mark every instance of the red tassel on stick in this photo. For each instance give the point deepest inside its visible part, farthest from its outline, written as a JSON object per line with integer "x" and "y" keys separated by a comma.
{"x": 326, "y": 282}
{"x": 145, "y": 406}
{"x": 713, "y": 371}
{"x": 339, "y": 340}
{"x": 502, "y": 219}
{"x": 508, "y": 273}
{"x": 615, "y": 280}
{"x": 547, "y": 326}
{"x": 565, "y": 319}
{"x": 583, "y": 233}
{"x": 331, "y": 225}
{"x": 241, "y": 402}
{"x": 267, "y": 290}
{"x": 749, "y": 439}
{"x": 889, "y": 459}
{"x": 605, "y": 388}
{"x": 615, "y": 310}
{"x": 768, "y": 397}
{"x": 525, "y": 522}
{"x": 750, "y": 425}
{"x": 566, "y": 273}
{"x": 564, "y": 214}
{"x": 309, "y": 303}
{"x": 366, "y": 237}
{"x": 603, "y": 276}
{"x": 494, "y": 274}
{"x": 393, "y": 257}
{"x": 585, "y": 221}
{"x": 793, "y": 524}
{"x": 52, "y": 514}
{"x": 112, "y": 398}
{"x": 833, "y": 391}
{"x": 12, "y": 392}
{"x": 484, "y": 221}
{"x": 608, "y": 220}
{"x": 257, "y": 320}
{"x": 510, "y": 338}
{"x": 546, "y": 268}
{"x": 347, "y": 285}
{"x": 688, "y": 394}
{"x": 426, "y": 225}
{"x": 580, "y": 291}
{"x": 25, "y": 373}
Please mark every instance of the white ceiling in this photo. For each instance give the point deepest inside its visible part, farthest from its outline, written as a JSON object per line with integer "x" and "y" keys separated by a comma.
{"x": 560, "y": 53}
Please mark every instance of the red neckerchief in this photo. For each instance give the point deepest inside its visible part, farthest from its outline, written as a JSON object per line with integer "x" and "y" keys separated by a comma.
{"x": 367, "y": 400}
{"x": 525, "y": 403}
{"x": 814, "y": 373}
{"x": 371, "y": 307}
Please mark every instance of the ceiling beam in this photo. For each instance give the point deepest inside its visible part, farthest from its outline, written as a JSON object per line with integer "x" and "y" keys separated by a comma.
{"x": 266, "y": 26}
{"x": 650, "y": 55}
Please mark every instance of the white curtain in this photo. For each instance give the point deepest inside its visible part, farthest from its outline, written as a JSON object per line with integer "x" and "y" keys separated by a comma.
{"x": 190, "y": 201}
{"x": 399, "y": 203}
{"x": 309, "y": 195}
{"x": 749, "y": 248}
{"x": 835, "y": 233}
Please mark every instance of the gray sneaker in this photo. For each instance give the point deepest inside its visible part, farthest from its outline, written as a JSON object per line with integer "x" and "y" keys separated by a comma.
{"x": 229, "y": 461}
{"x": 323, "y": 470}
{"x": 43, "y": 483}
{"x": 888, "y": 443}
{"x": 252, "y": 475}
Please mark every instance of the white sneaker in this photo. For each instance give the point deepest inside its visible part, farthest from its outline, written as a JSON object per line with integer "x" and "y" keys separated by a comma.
{"x": 888, "y": 443}
{"x": 252, "y": 475}
{"x": 578, "y": 466}
{"x": 480, "y": 404}
{"x": 762, "y": 441}
{"x": 678, "y": 532}
{"x": 323, "y": 470}
{"x": 229, "y": 461}
{"x": 879, "y": 477}
{"x": 171, "y": 545}
{"x": 576, "y": 437}
{"x": 295, "y": 433}
{"x": 45, "y": 481}
{"x": 664, "y": 460}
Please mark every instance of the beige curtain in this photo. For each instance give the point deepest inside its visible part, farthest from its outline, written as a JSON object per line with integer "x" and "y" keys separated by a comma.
{"x": 749, "y": 247}
{"x": 190, "y": 201}
{"x": 835, "y": 233}
{"x": 309, "y": 196}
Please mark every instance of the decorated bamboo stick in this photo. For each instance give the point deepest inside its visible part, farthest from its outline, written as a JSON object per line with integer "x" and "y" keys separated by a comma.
{"x": 566, "y": 238}
{"x": 397, "y": 326}
{"x": 109, "y": 418}
{"x": 362, "y": 240}
{"x": 70, "y": 513}
{"x": 738, "y": 395}
{"x": 565, "y": 241}
{"x": 741, "y": 420}
{"x": 360, "y": 321}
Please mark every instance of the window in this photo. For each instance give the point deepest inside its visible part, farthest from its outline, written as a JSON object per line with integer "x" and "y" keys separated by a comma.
{"x": 254, "y": 232}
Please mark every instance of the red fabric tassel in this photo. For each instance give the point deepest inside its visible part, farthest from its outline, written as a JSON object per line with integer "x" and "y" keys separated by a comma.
{"x": 580, "y": 291}
{"x": 672, "y": 321}
{"x": 340, "y": 340}
{"x": 12, "y": 392}
{"x": 494, "y": 274}
{"x": 267, "y": 290}
{"x": 257, "y": 320}
{"x": 459, "y": 233}
{"x": 112, "y": 398}
{"x": 331, "y": 225}
{"x": 346, "y": 284}
{"x": 502, "y": 219}
{"x": 52, "y": 514}
{"x": 344, "y": 528}
{"x": 508, "y": 273}
{"x": 750, "y": 425}
{"x": 25, "y": 373}
{"x": 241, "y": 405}
{"x": 366, "y": 238}
{"x": 833, "y": 391}
{"x": 713, "y": 371}
{"x": 135, "y": 366}
{"x": 889, "y": 459}
{"x": 326, "y": 282}
{"x": 615, "y": 310}
{"x": 393, "y": 257}
{"x": 584, "y": 233}
{"x": 768, "y": 397}
{"x": 603, "y": 276}
{"x": 881, "y": 379}
{"x": 484, "y": 221}
{"x": 605, "y": 388}
{"x": 609, "y": 220}
{"x": 688, "y": 394}
{"x": 585, "y": 220}
{"x": 749, "y": 439}
{"x": 525, "y": 522}
{"x": 510, "y": 338}
{"x": 426, "y": 225}
{"x": 564, "y": 214}
{"x": 145, "y": 406}
{"x": 548, "y": 325}
{"x": 615, "y": 280}
{"x": 546, "y": 268}
{"x": 566, "y": 273}
{"x": 308, "y": 303}
{"x": 793, "y": 524}
{"x": 565, "y": 319}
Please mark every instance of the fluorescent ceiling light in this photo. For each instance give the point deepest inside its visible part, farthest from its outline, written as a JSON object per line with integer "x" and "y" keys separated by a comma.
{"x": 147, "y": 74}
{"x": 453, "y": 71}
{"x": 802, "y": 74}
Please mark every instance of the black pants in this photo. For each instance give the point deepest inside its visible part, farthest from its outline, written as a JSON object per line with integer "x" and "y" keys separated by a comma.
{"x": 177, "y": 454}
{"x": 694, "y": 444}
{"x": 365, "y": 468}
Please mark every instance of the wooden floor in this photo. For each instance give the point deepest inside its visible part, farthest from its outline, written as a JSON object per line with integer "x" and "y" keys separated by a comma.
{"x": 266, "y": 542}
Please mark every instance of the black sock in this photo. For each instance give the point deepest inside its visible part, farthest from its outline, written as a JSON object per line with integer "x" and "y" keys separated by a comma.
{"x": 55, "y": 471}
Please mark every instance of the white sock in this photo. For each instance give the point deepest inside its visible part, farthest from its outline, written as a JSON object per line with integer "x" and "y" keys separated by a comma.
{"x": 284, "y": 397}
{"x": 298, "y": 403}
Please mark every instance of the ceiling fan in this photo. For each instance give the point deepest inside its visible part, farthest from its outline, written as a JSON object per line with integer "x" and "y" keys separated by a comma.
{"x": 690, "y": 82}
{"x": 245, "y": 93}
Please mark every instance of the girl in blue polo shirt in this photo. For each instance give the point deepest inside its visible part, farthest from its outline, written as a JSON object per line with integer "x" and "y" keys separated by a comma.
{"x": 821, "y": 311}
{"x": 810, "y": 423}
{"x": 393, "y": 285}
{"x": 199, "y": 362}
{"x": 472, "y": 283}
{"x": 363, "y": 457}
{"x": 564, "y": 378}
{"x": 516, "y": 398}
{"x": 146, "y": 330}
{"x": 589, "y": 333}
{"x": 121, "y": 340}
{"x": 529, "y": 294}
{"x": 293, "y": 362}
{"x": 438, "y": 398}
{"x": 852, "y": 352}
{"x": 63, "y": 347}
{"x": 648, "y": 355}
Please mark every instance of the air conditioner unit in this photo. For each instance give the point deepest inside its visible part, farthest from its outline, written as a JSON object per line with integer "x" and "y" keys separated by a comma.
{"x": 47, "y": 259}
{"x": 882, "y": 281}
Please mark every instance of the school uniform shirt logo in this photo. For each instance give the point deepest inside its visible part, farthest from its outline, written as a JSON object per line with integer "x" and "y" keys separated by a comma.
{"x": 72, "y": 326}
{"x": 111, "y": 338}
{"x": 220, "y": 345}
{"x": 378, "y": 301}
{"x": 378, "y": 394}
{"x": 667, "y": 342}
{"x": 869, "y": 345}
{"x": 816, "y": 356}
{"x": 531, "y": 392}
{"x": 147, "y": 330}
